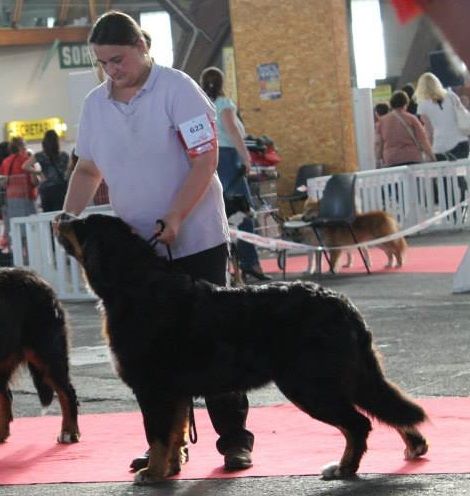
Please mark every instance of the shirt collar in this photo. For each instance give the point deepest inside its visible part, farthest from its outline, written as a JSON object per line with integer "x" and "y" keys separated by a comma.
{"x": 148, "y": 85}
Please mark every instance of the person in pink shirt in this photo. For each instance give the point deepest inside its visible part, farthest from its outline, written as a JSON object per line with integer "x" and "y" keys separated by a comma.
{"x": 401, "y": 137}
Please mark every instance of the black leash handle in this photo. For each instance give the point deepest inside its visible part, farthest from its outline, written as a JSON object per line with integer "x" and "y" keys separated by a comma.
{"x": 153, "y": 240}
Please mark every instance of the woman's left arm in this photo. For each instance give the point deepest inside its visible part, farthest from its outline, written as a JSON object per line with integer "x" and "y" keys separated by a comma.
{"x": 193, "y": 189}
{"x": 423, "y": 138}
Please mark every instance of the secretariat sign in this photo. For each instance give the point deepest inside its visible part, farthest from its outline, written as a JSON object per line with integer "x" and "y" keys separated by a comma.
{"x": 34, "y": 130}
{"x": 74, "y": 55}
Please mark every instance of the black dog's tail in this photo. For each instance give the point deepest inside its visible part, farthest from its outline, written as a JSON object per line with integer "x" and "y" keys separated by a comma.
{"x": 378, "y": 396}
{"x": 45, "y": 392}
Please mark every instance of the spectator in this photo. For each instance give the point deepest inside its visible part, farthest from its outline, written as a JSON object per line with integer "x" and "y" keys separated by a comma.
{"x": 234, "y": 163}
{"x": 437, "y": 112}
{"x": 402, "y": 139}
{"x": 52, "y": 169}
{"x": 21, "y": 186}
{"x": 409, "y": 89}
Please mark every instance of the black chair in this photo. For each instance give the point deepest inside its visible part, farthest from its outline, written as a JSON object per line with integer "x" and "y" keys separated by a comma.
{"x": 305, "y": 172}
{"x": 337, "y": 209}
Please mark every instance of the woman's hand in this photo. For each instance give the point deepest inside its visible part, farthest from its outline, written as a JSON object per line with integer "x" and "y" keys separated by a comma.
{"x": 168, "y": 231}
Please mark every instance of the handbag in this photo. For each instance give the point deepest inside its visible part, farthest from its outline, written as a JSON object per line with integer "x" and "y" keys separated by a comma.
{"x": 462, "y": 115}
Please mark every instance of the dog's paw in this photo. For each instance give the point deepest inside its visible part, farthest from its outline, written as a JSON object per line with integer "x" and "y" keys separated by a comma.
{"x": 145, "y": 478}
{"x": 333, "y": 470}
{"x": 416, "y": 452}
{"x": 68, "y": 437}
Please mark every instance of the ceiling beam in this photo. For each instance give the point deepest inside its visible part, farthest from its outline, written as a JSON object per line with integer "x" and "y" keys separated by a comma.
{"x": 42, "y": 36}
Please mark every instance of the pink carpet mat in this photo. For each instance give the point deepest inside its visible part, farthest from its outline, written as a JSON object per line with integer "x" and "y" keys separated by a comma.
{"x": 423, "y": 259}
{"x": 288, "y": 442}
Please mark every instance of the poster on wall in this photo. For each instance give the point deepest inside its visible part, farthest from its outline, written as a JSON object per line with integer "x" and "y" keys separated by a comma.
{"x": 269, "y": 81}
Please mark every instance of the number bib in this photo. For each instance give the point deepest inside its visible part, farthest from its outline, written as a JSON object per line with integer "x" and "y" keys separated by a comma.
{"x": 197, "y": 131}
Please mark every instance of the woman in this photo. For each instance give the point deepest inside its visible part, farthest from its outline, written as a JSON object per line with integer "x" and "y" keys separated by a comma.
{"x": 401, "y": 137}
{"x": 437, "y": 111}
{"x": 148, "y": 131}
{"x": 53, "y": 165}
{"x": 234, "y": 162}
{"x": 21, "y": 191}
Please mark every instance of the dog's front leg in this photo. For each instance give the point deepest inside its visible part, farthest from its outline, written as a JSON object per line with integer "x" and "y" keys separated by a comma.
{"x": 163, "y": 419}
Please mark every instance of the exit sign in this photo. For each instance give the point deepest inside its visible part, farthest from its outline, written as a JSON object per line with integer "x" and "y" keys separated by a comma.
{"x": 74, "y": 55}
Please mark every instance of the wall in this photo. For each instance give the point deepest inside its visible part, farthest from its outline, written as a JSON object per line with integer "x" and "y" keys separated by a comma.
{"x": 309, "y": 39}
{"x": 32, "y": 89}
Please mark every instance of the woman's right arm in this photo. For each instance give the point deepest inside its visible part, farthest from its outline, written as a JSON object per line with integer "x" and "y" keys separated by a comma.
{"x": 229, "y": 121}
{"x": 83, "y": 184}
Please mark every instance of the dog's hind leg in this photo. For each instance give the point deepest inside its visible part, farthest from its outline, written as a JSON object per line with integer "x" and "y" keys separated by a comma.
{"x": 320, "y": 402}
{"x": 50, "y": 372}
{"x": 7, "y": 366}
{"x": 415, "y": 442}
{"x": 6, "y": 415}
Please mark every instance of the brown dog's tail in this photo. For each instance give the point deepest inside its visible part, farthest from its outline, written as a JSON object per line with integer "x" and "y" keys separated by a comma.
{"x": 45, "y": 392}
{"x": 381, "y": 398}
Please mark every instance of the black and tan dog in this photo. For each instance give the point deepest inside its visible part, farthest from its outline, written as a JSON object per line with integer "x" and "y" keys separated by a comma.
{"x": 174, "y": 338}
{"x": 33, "y": 331}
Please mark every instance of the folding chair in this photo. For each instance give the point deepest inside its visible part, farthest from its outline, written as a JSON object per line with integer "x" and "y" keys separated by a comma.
{"x": 337, "y": 209}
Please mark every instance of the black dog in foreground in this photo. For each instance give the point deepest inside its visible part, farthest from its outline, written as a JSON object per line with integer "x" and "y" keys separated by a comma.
{"x": 33, "y": 331}
{"x": 175, "y": 338}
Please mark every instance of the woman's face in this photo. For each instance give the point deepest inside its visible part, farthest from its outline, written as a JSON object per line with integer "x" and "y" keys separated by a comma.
{"x": 125, "y": 65}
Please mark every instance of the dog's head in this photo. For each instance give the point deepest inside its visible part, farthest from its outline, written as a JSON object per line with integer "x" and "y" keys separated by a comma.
{"x": 108, "y": 250}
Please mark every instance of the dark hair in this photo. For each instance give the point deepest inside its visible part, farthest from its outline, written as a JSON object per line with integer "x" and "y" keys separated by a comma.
{"x": 16, "y": 144}
{"x": 382, "y": 108}
{"x": 409, "y": 89}
{"x": 115, "y": 28}
{"x": 147, "y": 38}
{"x": 50, "y": 144}
{"x": 399, "y": 99}
{"x": 212, "y": 82}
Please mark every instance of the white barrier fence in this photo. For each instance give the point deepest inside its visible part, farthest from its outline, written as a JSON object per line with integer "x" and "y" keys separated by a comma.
{"x": 35, "y": 247}
{"x": 411, "y": 193}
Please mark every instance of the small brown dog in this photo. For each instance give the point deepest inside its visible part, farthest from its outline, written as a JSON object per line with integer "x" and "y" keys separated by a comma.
{"x": 366, "y": 227}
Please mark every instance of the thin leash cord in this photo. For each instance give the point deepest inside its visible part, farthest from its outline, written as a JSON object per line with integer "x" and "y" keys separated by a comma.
{"x": 153, "y": 241}
{"x": 192, "y": 424}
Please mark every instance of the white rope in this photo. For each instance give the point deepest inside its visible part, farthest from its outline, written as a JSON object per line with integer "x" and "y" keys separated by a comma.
{"x": 280, "y": 244}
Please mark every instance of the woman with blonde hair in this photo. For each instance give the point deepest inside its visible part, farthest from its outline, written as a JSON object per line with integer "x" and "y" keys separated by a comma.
{"x": 436, "y": 109}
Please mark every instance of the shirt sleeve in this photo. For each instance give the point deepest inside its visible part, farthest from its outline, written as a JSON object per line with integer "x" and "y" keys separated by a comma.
{"x": 82, "y": 146}
{"x": 189, "y": 101}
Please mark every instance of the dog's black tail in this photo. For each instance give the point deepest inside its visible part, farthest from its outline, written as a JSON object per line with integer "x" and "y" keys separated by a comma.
{"x": 45, "y": 392}
{"x": 378, "y": 396}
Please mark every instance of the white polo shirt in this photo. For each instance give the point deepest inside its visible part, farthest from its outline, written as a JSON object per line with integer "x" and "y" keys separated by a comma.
{"x": 139, "y": 153}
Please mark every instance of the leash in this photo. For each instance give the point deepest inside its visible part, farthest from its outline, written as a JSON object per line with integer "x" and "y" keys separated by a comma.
{"x": 192, "y": 423}
{"x": 153, "y": 241}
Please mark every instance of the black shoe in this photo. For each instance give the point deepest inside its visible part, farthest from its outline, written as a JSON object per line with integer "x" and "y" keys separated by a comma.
{"x": 256, "y": 274}
{"x": 237, "y": 459}
{"x": 140, "y": 462}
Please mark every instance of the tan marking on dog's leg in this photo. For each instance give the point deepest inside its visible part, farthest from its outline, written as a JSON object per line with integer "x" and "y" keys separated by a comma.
{"x": 158, "y": 465}
{"x": 415, "y": 442}
{"x": 180, "y": 439}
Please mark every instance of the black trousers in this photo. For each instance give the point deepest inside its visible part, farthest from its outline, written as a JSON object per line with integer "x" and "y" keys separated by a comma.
{"x": 228, "y": 411}
{"x": 461, "y": 150}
